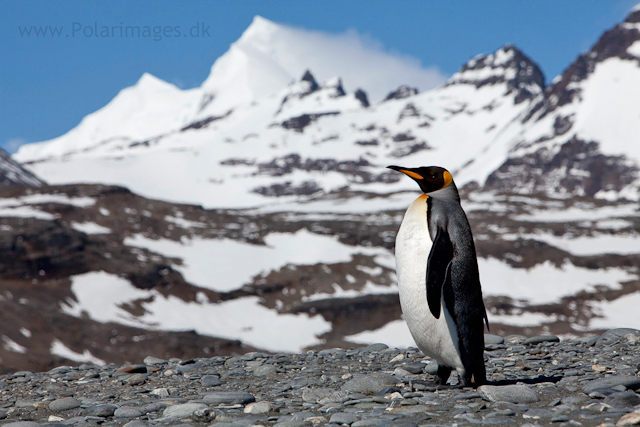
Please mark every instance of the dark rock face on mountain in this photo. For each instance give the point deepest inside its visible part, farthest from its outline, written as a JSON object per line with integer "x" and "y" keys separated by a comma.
{"x": 401, "y": 93}
{"x": 507, "y": 65}
{"x": 12, "y": 173}
{"x": 545, "y": 171}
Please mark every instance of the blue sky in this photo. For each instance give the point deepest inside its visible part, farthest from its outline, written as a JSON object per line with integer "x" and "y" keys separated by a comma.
{"x": 48, "y": 83}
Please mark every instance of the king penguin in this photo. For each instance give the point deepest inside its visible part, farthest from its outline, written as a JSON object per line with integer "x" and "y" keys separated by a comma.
{"x": 438, "y": 278}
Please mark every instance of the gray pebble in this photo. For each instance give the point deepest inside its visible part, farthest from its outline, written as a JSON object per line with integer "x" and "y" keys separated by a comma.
{"x": 497, "y": 420}
{"x": 372, "y": 422}
{"x": 540, "y": 339}
{"x": 22, "y": 424}
{"x": 228, "y": 397}
{"x": 210, "y": 381}
{"x": 374, "y": 347}
{"x": 154, "y": 407}
{"x": 258, "y": 408}
{"x": 64, "y": 404}
{"x": 624, "y": 399}
{"x": 538, "y": 413}
{"x": 369, "y": 384}
{"x": 136, "y": 423}
{"x": 150, "y": 360}
{"x": 127, "y": 412}
{"x": 264, "y": 370}
{"x": 614, "y": 380}
{"x": 431, "y": 368}
{"x": 493, "y": 339}
{"x": 343, "y": 418}
{"x": 105, "y": 410}
{"x": 613, "y": 336}
{"x": 508, "y": 393}
{"x": 183, "y": 410}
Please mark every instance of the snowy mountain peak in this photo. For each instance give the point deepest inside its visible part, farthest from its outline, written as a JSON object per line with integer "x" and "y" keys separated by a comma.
{"x": 402, "y": 92}
{"x": 150, "y": 82}
{"x": 506, "y": 65}
{"x": 621, "y": 42}
{"x": 634, "y": 15}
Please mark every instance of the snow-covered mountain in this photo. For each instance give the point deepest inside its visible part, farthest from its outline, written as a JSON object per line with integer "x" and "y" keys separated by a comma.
{"x": 281, "y": 162}
{"x": 225, "y": 139}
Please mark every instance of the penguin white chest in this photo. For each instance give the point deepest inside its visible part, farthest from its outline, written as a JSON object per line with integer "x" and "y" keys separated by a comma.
{"x": 437, "y": 338}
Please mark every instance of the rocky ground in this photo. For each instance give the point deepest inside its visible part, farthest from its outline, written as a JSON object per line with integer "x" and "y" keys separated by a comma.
{"x": 533, "y": 381}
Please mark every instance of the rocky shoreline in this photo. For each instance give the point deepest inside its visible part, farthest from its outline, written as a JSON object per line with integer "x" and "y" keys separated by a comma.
{"x": 533, "y": 381}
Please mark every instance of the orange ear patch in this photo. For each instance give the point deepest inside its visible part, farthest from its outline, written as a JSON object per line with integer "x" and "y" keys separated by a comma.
{"x": 448, "y": 179}
{"x": 411, "y": 174}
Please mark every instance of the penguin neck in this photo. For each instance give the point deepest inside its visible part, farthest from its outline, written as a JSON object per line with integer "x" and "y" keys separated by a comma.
{"x": 449, "y": 193}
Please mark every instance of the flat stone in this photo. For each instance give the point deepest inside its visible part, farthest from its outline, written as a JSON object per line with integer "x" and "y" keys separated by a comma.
{"x": 508, "y": 393}
{"x": 631, "y": 419}
{"x": 150, "y": 360}
{"x": 372, "y": 422}
{"x": 183, "y": 410}
{"x": 536, "y": 414}
{"x": 228, "y": 397}
{"x": 628, "y": 381}
{"x": 431, "y": 368}
{"x": 343, "y": 418}
{"x": 136, "y": 423}
{"x": 22, "y": 424}
{"x": 132, "y": 369}
{"x": 210, "y": 381}
{"x": 540, "y": 339}
{"x": 493, "y": 339}
{"x": 258, "y": 408}
{"x": 104, "y": 410}
{"x": 613, "y": 336}
{"x": 369, "y": 384}
{"x": 624, "y": 399}
{"x": 289, "y": 424}
{"x": 64, "y": 404}
{"x": 374, "y": 347}
{"x": 127, "y": 412}
{"x": 154, "y": 407}
{"x": 264, "y": 370}
{"x": 136, "y": 379}
{"x": 497, "y": 420}
{"x": 414, "y": 368}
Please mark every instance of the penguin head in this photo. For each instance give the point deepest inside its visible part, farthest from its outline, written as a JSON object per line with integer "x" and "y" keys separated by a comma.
{"x": 429, "y": 178}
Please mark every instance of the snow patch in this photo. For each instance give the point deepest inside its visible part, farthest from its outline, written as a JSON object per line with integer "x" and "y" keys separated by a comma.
{"x": 394, "y": 334}
{"x": 11, "y": 345}
{"x": 544, "y": 283}
{"x": 61, "y": 350}
{"x": 225, "y": 265}
{"x": 90, "y": 228}
{"x": 101, "y": 296}
{"x": 619, "y": 313}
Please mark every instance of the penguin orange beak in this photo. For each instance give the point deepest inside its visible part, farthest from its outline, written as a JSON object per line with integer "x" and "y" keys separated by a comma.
{"x": 406, "y": 171}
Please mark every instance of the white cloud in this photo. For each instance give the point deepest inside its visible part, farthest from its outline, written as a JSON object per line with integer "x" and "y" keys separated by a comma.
{"x": 11, "y": 145}
{"x": 282, "y": 53}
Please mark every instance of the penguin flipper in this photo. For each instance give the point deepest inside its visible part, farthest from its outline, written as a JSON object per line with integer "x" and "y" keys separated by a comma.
{"x": 438, "y": 270}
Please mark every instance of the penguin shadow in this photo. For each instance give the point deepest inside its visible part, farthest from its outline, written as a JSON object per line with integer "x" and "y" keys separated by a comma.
{"x": 432, "y": 385}
{"x": 528, "y": 381}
